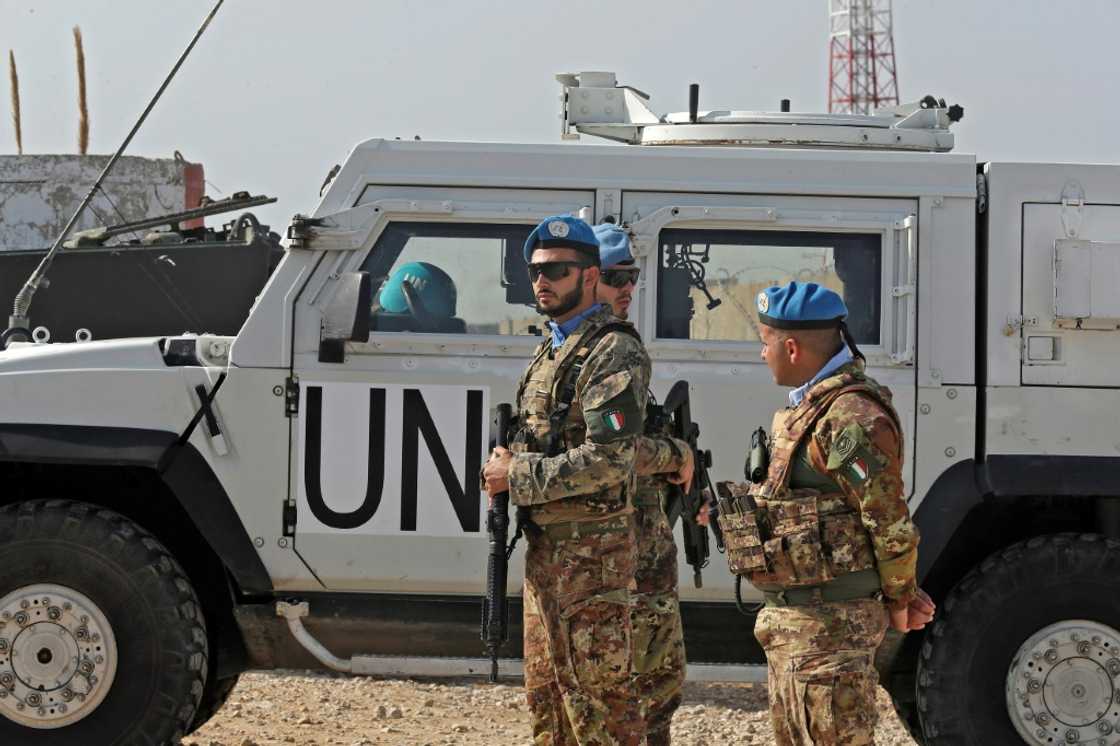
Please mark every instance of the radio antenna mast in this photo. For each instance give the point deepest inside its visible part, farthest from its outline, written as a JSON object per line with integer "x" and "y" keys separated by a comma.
{"x": 861, "y": 67}
{"x": 19, "y": 322}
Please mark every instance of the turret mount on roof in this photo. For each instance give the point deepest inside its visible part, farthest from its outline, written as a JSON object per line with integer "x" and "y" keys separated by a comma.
{"x": 594, "y": 104}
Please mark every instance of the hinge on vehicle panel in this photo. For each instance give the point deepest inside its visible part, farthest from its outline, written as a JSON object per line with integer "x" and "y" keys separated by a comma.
{"x": 900, "y": 290}
{"x": 291, "y": 396}
{"x": 289, "y": 518}
{"x": 299, "y": 230}
{"x": 1014, "y": 323}
{"x": 981, "y": 194}
{"x": 1073, "y": 200}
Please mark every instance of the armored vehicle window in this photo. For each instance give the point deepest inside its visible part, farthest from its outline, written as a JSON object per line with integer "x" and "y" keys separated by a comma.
{"x": 707, "y": 280}
{"x": 451, "y": 278}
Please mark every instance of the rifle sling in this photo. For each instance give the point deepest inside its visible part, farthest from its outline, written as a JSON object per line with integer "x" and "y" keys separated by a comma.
{"x": 567, "y": 376}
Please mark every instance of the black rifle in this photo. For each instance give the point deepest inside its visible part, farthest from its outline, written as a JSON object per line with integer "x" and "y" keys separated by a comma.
{"x": 688, "y": 502}
{"x": 495, "y": 607}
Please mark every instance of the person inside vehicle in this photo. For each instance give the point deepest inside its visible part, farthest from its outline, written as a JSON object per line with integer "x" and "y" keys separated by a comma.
{"x": 417, "y": 297}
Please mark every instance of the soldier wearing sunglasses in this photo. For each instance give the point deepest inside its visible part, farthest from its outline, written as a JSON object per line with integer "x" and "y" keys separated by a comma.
{"x": 581, "y": 407}
{"x": 658, "y": 637}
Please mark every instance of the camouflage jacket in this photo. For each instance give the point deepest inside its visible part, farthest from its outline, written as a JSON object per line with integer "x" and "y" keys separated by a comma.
{"x": 658, "y": 454}
{"x": 592, "y": 477}
{"x": 856, "y": 445}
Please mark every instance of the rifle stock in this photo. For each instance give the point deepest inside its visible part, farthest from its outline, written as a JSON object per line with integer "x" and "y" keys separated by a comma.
{"x": 495, "y": 606}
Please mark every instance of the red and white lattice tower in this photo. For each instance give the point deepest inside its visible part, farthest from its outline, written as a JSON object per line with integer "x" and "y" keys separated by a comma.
{"x": 861, "y": 69}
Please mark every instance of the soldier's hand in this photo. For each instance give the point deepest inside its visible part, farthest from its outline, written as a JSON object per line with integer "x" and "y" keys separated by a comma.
{"x": 496, "y": 471}
{"x": 703, "y": 517}
{"x": 683, "y": 476}
{"x": 915, "y": 615}
{"x": 921, "y": 610}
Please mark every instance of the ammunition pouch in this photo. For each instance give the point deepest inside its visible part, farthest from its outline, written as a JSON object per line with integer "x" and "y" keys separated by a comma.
{"x": 803, "y": 539}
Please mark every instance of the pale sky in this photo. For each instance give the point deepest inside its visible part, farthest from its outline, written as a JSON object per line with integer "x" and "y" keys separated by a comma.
{"x": 278, "y": 91}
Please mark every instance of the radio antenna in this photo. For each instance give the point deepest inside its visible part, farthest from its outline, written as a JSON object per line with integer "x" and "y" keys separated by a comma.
{"x": 19, "y": 323}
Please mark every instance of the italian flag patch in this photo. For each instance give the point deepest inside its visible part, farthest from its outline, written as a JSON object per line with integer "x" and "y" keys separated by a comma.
{"x": 615, "y": 420}
{"x": 859, "y": 468}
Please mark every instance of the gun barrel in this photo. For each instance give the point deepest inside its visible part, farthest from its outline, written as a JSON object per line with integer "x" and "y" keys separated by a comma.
{"x": 495, "y": 611}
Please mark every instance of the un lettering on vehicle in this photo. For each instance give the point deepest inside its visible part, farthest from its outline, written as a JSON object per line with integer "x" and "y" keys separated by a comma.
{"x": 391, "y": 459}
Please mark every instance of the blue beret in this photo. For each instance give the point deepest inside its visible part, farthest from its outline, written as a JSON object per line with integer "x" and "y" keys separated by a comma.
{"x": 563, "y": 232}
{"x": 433, "y": 286}
{"x": 614, "y": 245}
{"x": 800, "y": 306}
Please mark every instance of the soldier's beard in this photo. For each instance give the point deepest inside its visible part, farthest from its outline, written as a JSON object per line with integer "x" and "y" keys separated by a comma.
{"x": 564, "y": 303}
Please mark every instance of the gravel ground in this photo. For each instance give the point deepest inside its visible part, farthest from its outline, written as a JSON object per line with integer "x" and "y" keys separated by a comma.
{"x": 322, "y": 710}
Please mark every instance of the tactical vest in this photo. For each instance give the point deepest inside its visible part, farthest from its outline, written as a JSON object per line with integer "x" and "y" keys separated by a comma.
{"x": 551, "y": 421}
{"x": 797, "y": 537}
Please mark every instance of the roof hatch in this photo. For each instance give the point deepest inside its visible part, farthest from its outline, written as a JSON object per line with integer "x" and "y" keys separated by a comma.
{"x": 594, "y": 104}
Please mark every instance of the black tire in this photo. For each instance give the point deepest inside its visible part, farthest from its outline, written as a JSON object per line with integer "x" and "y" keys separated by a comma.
{"x": 991, "y": 613}
{"x": 214, "y": 696}
{"x": 150, "y": 606}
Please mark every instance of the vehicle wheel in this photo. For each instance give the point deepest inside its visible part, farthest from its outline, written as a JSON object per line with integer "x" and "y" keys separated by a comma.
{"x": 1027, "y": 648}
{"x": 102, "y": 640}
{"x": 214, "y": 696}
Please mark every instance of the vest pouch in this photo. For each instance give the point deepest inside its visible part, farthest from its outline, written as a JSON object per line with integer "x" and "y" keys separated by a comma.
{"x": 743, "y": 542}
{"x": 793, "y": 513}
{"x": 780, "y": 570}
{"x": 847, "y": 547}
{"x": 794, "y": 554}
{"x": 804, "y": 551}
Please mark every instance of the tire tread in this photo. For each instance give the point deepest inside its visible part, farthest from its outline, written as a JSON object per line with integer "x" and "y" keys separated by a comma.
{"x": 941, "y": 726}
{"x": 182, "y": 627}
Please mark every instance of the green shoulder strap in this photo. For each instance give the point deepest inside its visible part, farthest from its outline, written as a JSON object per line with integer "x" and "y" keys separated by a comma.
{"x": 568, "y": 374}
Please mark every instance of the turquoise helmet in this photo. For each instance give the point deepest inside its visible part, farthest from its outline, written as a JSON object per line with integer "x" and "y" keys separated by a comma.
{"x": 433, "y": 286}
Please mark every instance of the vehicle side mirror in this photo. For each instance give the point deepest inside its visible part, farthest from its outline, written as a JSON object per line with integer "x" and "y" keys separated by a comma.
{"x": 346, "y": 317}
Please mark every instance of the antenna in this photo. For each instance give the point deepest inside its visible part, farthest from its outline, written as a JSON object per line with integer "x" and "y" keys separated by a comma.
{"x": 83, "y": 110}
{"x": 13, "y": 80}
{"x": 19, "y": 322}
{"x": 861, "y": 68}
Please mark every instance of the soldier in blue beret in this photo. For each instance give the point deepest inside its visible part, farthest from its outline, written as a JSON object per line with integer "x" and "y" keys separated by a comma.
{"x": 659, "y": 655}
{"x": 570, "y": 471}
{"x": 564, "y": 232}
{"x": 840, "y": 551}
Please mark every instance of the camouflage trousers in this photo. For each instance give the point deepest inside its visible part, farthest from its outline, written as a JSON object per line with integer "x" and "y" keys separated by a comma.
{"x": 578, "y": 655}
{"x": 820, "y": 668}
{"x": 659, "y": 659}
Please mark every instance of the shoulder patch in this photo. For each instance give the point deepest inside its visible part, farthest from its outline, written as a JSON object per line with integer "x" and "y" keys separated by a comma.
{"x": 845, "y": 445}
{"x": 611, "y": 410}
{"x": 615, "y": 419}
{"x": 852, "y": 456}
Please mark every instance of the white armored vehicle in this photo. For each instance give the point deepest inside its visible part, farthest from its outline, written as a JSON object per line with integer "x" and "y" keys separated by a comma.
{"x": 177, "y": 510}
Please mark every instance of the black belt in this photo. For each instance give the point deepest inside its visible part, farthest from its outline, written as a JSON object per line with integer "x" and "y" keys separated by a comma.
{"x": 850, "y": 587}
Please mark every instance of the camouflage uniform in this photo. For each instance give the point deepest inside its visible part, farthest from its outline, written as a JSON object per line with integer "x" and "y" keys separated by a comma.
{"x": 841, "y": 543}
{"x": 659, "y": 659}
{"x": 580, "y": 563}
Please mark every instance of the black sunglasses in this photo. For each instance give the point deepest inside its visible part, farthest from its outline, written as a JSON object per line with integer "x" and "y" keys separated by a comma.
{"x": 620, "y": 278}
{"x": 552, "y": 271}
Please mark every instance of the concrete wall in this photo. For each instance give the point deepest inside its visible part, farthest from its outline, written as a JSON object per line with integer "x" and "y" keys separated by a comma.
{"x": 39, "y": 193}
